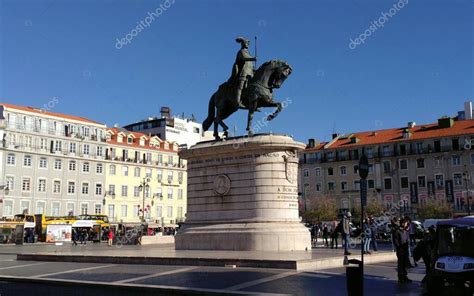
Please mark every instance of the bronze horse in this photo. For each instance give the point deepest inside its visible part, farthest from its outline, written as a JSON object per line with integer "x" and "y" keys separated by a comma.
{"x": 258, "y": 93}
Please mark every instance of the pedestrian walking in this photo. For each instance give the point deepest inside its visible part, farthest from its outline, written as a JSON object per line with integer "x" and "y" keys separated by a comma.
{"x": 110, "y": 238}
{"x": 374, "y": 233}
{"x": 401, "y": 241}
{"x": 325, "y": 235}
{"x": 74, "y": 237}
{"x": 367, "y": 236}
{"x": 335, "y": 235}
{"x": 346, "y": 232}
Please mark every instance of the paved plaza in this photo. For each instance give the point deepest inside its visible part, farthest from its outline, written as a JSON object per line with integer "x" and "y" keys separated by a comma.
{"x": 39, "y": 277}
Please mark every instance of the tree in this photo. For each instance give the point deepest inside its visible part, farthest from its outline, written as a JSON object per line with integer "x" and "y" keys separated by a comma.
{"x": 321, "y": 209}
{"x": 435, "y": 210}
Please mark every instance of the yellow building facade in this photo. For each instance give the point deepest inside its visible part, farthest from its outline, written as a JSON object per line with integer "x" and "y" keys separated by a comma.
{"x": 145, "y": 179}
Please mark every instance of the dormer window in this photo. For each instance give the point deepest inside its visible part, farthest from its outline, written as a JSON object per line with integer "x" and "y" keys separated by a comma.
{"x": 129, "y": 140}
{"x": 119, "y": 138}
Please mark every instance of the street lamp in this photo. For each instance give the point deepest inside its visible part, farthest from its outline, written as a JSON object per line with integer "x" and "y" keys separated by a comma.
{"x": 108, "y": 193}
{"x": 467, "y": 178}
{"x": 144, "y": 186}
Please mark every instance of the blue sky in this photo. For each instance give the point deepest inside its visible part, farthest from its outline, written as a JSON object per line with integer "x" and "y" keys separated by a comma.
{"x": 417, "y": 67}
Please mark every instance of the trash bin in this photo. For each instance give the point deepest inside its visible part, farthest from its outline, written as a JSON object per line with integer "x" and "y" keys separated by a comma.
{"x": 354, "y": 277}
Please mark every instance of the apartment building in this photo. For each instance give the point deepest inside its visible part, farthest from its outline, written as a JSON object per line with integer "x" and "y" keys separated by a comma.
{"x": 50, "y": 163}
{"x": 408, "y": 165}
{"x": 145, "y": 178}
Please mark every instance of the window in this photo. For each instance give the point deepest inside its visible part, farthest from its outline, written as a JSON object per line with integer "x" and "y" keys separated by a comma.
{"x": 111, "y": 189}
{"x": 439, "y": 179}
{"x": 386, "y": 150}
{"x": 26, "y": 184}
{"x": 438, "y": 162}
{"x": 98, "y": 189}
{"x": 136, "y": 191}
{"x": 99, "y": 169}
{"x": 343, "y": 186}
{"x": 56, "y": 186}
{"x": 421, "y": 181}
{"x": 136, "y": 172}
{"x": 40, "y": 207}
{"x": 112, "y": 169}
{"x": 85, "y": 167}
{"x": 86, "y": 149}
{"x": 98, "y": 209}
{"x": 84, "y": 208}
{"x": 42, "y": 185}
{"x": 437, "y": 146}
{"x": 124, "y": 170}
{"x": 356, "y": 185}
{"x": 136, "y": 211}
{"x": 27, "y": 161}
{"x": 403, "y": 149}
{"x": 148, "y": 173}
{"x": 70, "y": 209}
{"x": 170, "y": 159}
{"x": 24, "y": 206}
{"x": 343, "y": 171}
{"x": 456, "y": 160}
{"x": 330, "y": 171}
{"x": 71, "y": 187}
{"x": 160, "y": 159}
{"x": 318, "y": 171}
{"x": 43, "y": 163}
{"x": 57, "y": 145}
{"x": 370, "y": 184}
{"x": 170, "y": 193}
{"x": 43, "y": 144}
{"x": 180, "y": 177}
{"x": 455, "y": 144}
{"x": 159, "y": 176}
{"x": 387, "y": 183}
{"x": 100, "y": 151}
{"x": 8, "y": 208}
{"x": 111, "y": 211}
{"x": 170, "y": 176}
{"x": 124, "y": 190}
{"x": 356, "y": 169}
{"x": 10, "y": 182}
{"x": 58, "y": 164}
{"x": 403, "y": 164}
{"x": 170, "y": 212}
{"x": 159, "y": 211}
{"x": 180, "y": 193}
{"x": 419, "y": 147}
{"x": 386, "y": 166}
{"x": 330, "y": 156}
{"x": 371, "y": 168}
{"x": 318, "y": 187}
{"x": 72, "y": 165}
{"x": 72, "y": 147}
{"x": 11, "y": 159}
{"x": 331, "y": 186}
{"x": 123, "y": 211}
{"x": 420, "y": 163}
{"x": 457, "y": 177}
{"x": 85, "y": 188}
{"x": 370, "y": 152}
{"x": 404, "y": 182}
{"x": 180, "y": 212}
{"x": 305, "y": 173}
{"x": 55, "y": 208}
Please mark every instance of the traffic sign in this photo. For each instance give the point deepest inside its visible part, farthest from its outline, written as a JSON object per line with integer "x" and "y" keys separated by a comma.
{"x": 363, "y": 167}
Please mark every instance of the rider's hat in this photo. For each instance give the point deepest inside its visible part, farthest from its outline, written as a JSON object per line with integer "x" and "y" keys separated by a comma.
{"x": 241, "y": 39}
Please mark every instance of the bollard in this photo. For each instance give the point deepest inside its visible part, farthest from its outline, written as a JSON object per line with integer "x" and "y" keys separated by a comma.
{"x": 354, "y": 277}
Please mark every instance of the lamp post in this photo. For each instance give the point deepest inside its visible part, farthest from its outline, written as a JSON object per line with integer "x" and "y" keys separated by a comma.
{"x": 467, "y": 178}
{"x": 144, "y": 186}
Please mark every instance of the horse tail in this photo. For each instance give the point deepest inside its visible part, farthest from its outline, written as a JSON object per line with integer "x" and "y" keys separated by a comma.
{"x": 210, "y": 115}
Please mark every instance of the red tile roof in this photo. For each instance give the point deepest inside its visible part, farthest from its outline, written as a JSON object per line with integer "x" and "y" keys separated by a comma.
{"x": 136, "y": 141}
{"x": 49, "y": 113}
{"x": 420, "y": 132}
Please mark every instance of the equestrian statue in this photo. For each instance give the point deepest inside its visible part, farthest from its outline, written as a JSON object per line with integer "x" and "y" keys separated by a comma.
{"x": 246, "y": 89}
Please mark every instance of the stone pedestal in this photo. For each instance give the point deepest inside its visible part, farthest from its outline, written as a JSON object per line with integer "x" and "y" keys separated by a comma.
{"x": 243, "y": 196}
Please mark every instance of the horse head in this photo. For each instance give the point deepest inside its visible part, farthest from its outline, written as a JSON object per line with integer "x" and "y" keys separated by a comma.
{"x": 273, "y": 73}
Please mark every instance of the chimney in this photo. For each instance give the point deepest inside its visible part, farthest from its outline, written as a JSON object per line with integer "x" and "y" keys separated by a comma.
{"x": 446, "y": 122}
{"x": 335, "y": 135}
{"x": 411, "y": 124}
{"x": 468, "y": 110}
{"x": 406, "y": 133}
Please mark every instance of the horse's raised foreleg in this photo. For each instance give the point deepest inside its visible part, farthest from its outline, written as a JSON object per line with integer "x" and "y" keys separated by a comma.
{"x": 275, "y": 113}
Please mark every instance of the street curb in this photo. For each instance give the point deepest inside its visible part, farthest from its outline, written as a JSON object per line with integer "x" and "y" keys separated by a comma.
{"x": 298, "y": 265}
